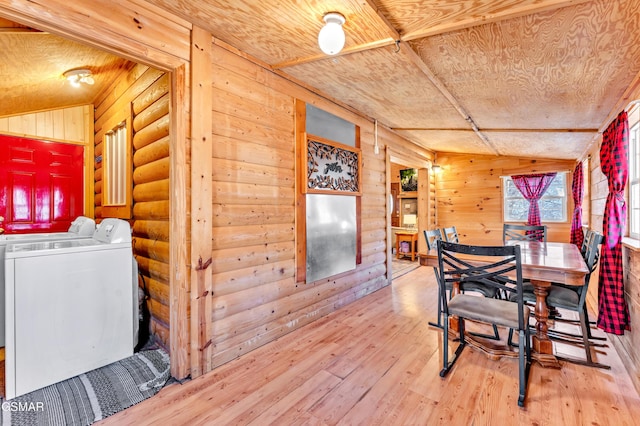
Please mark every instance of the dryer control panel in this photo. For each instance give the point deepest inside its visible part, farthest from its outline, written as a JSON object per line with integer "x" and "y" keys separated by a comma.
{"x": 83, "y": 225}
{"x": 112, "y": 231}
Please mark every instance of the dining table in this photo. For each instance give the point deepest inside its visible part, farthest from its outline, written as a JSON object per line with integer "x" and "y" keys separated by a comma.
{"x": 543, "y": 263}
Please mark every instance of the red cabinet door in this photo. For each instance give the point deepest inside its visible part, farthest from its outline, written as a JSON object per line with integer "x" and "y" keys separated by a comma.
{"x": 41, "y": 184}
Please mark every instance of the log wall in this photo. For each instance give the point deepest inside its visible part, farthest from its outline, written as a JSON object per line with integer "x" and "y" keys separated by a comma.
{"x": 255, "y": 297}
{"x": 469, "y": 194}
{"x": 142, "y": 95}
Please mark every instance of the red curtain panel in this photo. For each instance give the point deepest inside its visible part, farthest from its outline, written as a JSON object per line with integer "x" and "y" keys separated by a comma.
{"x": 532, "y": 187}
{"x": 577, "y": 189}
{"x": 613, "y": 312}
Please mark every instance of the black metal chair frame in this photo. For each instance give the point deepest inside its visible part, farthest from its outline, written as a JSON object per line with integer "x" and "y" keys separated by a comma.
{"x": 504, "y": 272}
{"x": 432, "y": 237}
{"x": 524, "y": 232}
{"x": 555, "y": 300}
{"x": 560, "y": 296}
{"x": 450, "y": 234}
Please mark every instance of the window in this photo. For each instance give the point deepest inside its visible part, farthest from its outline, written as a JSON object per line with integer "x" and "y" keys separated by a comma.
{"x": 553, "y": 204}
{"x": 117, "y": 173}
{"x": 634, "y": 173}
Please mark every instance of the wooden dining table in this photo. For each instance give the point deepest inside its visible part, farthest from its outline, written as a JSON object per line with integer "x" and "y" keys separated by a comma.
{"x": 542, "y": 264}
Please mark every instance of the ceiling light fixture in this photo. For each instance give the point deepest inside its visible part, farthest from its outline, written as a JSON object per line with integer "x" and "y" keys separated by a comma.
{"x": 76, "y": 77}
{"x": 331, "y": 37}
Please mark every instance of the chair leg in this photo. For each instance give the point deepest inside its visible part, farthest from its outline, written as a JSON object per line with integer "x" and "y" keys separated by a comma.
{"x": 495, "y": 336}
{"x": 446, "y": 364}
{"x": 585, "y": 336}
{"x": 440, "y": 313}
{"x": 584, "y": 323}
{"x": 439, "y": 323}
{"x": 524, "y": 360}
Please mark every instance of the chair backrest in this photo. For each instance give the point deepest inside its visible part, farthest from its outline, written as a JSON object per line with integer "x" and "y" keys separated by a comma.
{"x": 432, "y": 236}
{"x": 592, "y": 252}
{"x": 585, "y": 241}
{"x": 451, "y": 235}
{"x": 524, "y": 233}
{"x": 591, "y": 256}
{"x": 494, "y": 266}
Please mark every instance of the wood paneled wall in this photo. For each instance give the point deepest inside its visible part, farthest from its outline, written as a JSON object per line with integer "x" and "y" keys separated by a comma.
{"x": 142, "y": 96}
{"x": 255, "y": 297}
{"x": 626, "y": 345}
{"x": 73, "y": 124}
{"x": 469, "y": 194}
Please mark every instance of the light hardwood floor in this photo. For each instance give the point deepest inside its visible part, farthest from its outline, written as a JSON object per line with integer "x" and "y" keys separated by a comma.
{"x": 376, "y": 362}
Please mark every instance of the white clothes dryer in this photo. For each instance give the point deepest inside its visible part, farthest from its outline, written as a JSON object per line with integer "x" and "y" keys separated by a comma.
{"x": 68, "y": 307}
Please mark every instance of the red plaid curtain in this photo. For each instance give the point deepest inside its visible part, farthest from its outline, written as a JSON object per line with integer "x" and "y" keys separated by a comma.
{"x": 613, "y": 312}
{"x": 577, "y": 187}
{"x": 532, "y": 187}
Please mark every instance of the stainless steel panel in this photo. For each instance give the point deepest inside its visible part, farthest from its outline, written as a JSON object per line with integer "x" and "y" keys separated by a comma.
{"x": 331, "y": 235}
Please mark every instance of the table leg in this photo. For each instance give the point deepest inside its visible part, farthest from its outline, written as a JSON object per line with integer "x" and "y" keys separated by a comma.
{"x": 541, "y": 342}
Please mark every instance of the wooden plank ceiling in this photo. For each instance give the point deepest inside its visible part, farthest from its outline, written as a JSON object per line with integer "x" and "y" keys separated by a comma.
{"x": 31, "y": 75}
{"x": 534, "y": 78}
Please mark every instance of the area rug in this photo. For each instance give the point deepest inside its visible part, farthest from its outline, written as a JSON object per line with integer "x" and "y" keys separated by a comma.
{"x": 402, "y": 266}
{"x": 92, "y": 396}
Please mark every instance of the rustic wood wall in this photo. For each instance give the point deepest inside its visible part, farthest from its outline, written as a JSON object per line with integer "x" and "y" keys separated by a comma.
{"x": 627, "y": 344}
{"x": 255, "y": 297}
{"x": 63, "y": 125}
{"x": 146, "y": 34}
{"x": 469, "y": 194}
{"x": 143, "y": 95}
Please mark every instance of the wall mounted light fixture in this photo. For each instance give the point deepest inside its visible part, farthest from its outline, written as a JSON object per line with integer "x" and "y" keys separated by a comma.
{"x": 436, "y": 168}
{"x": 331, "y": 37}
{"x": 79, "y": 76}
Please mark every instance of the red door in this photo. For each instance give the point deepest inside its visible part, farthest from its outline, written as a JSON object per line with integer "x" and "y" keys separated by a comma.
{"x": 41, "y": 185}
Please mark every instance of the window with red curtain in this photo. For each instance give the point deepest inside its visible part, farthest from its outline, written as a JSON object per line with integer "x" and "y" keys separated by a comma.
{"x": 533, "y": 187}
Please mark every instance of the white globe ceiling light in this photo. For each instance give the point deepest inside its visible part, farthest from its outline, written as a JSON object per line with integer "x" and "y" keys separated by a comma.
{"x": 331, "y": 36}
{"x": 75, "y": 77}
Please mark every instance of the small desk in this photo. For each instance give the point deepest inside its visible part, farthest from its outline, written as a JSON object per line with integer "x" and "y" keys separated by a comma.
{"x": 412, "y": 239}
{"x": 542, "y": 264}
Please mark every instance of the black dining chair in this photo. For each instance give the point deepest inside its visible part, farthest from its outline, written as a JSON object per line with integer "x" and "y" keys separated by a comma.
{"x": 432, "y": 237}
{"x": 496, "y": 267}
{"x": 524, "y": 233}
{"x": 451, "y": 234}
{"x": 573, "y": 298}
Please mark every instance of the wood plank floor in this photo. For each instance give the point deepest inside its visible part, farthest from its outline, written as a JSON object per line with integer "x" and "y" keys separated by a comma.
{"x": 376, "y": 362}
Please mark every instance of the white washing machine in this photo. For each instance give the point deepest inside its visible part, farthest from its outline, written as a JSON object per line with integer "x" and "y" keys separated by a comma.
{"x": 81, "y": 228}
{"x": 68, "y": 307}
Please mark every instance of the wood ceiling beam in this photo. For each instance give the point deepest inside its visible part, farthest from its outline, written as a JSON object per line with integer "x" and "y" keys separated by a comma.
{"x": 498, "y": 130}
{"x": 405, "y": 49}
{"x": 417, "y": 60}
{"x": 322, "y": 57}
{"x": 468, "y": 21}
